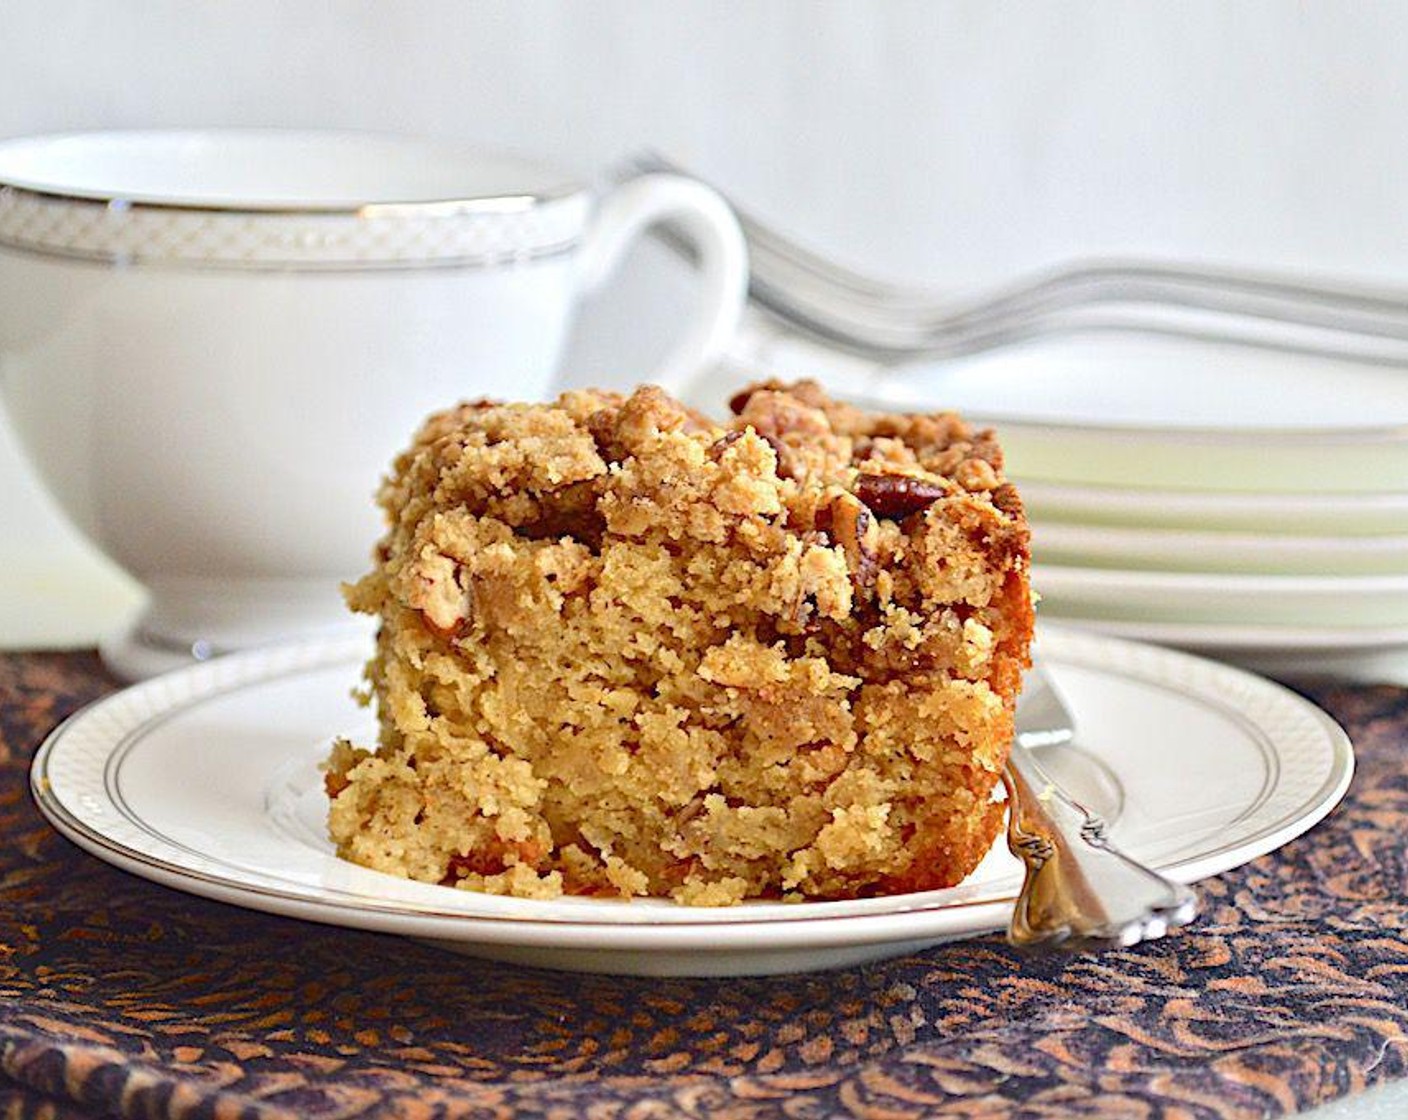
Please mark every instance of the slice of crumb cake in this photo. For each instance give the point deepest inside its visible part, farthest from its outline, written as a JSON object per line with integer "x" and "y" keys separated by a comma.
{"x": 627, "y": 651}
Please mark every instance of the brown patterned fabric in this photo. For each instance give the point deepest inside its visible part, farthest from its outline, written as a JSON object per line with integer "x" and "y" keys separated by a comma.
{"x": 121, "y": 998}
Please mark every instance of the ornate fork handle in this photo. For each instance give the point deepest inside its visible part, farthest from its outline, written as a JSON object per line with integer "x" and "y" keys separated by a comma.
{"x": 1078, "y": 887}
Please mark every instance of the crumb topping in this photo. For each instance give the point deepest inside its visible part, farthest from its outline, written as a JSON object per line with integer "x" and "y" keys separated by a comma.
{"x": 626, "y": 650}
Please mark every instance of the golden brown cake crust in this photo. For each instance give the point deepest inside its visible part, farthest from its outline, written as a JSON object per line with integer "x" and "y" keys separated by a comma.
{"x": 625, "y": 650}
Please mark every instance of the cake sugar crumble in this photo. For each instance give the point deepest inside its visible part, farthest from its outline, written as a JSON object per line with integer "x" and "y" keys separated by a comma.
{"x": 625, "y": 650}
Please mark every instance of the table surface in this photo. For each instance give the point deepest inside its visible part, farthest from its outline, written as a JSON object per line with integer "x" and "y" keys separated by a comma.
{"x": 121, "y": 997}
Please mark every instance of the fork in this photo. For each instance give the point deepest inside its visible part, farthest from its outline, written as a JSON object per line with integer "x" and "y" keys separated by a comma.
{"x": 891, "y": 323}
{"x": 1078, "y": 889}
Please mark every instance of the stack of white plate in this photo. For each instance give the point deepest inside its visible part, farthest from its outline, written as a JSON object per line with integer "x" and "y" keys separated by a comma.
{"x": 1241, "y": 502}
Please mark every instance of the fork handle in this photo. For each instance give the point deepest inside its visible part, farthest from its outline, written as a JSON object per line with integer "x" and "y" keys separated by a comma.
{"x": 1078, "y": 887}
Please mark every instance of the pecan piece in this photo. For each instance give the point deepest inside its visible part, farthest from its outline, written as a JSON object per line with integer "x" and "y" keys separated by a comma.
{"x": 570, "y": 511}
{"x": 723, "y": 443}
{"x": 896, "y": 496}
{"x": 779, "y": 449}
{"x": 780, "y": 452}
{"x": 852, "y": 526}
{"x": 436, "y": 592}
{"x": 603, "y": 429}
{"x": 739, "y": 401}
{"x": 689, "y": 811}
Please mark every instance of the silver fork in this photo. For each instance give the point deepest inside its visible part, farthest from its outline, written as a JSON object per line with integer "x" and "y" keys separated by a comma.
{"x": 1078, "y": 889}
{"x": 890, "y": 323}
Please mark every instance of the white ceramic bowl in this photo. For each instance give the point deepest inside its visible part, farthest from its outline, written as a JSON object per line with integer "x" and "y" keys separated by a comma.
{"x": 213, "y": 342}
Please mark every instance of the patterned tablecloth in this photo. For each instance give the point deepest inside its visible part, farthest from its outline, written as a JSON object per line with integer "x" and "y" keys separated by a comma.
{"x": 119, "y": 997}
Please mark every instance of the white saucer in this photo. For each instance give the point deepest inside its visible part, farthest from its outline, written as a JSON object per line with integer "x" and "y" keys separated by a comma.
{"x": 1226, "y": 553}
{"x": 1342, "y": 603}
{"x": 206, "y": 780}
{"x": 1263, "y": 639}
{"x": 1362, "y": 655}
{"x": 1140, "y": 409}
{"x": 1236, "y": 511}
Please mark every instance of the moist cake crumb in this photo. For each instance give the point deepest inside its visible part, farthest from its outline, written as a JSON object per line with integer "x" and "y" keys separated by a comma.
{"x": 626, "y": 650}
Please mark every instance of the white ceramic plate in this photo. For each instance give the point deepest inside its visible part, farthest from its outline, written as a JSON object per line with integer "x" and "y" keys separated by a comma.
{"x": 1376, "y": 654}
{"x": 206, "y": 780}
{"x": 1192, "y": 550}
{"x": 1237, "y": 511}
{"x": 1211, "y": 636}
{"x": 1139, "y": 409}
{"x": 1305, "y": 602}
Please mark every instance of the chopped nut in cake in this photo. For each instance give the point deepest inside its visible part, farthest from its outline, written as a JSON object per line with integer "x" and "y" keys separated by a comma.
{"x": 625, "y": 650}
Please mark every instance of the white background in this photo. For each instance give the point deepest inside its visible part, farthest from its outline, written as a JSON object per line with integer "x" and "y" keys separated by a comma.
{"x": 953, "y": 143}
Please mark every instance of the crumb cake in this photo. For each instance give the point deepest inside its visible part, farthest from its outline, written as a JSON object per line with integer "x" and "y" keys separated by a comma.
{"x": 626, "y": 650}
